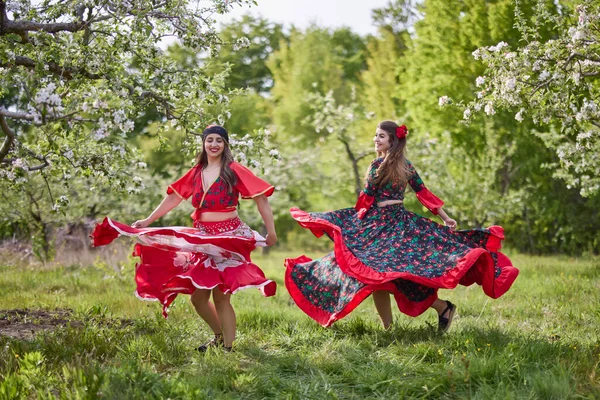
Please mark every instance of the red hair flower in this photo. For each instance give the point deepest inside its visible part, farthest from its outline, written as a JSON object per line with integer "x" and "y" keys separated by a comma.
{"x": 401, "y": 132}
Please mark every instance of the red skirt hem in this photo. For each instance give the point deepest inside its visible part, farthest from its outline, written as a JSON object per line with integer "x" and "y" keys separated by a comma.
{"x": 326, "y": 319}
{"x": 169, "y": 265}
{"x": 475, "y": 267}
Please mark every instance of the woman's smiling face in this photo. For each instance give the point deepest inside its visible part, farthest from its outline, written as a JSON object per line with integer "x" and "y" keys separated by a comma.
{"x": 381, "y": 140}
{"x": 214, "y": 145}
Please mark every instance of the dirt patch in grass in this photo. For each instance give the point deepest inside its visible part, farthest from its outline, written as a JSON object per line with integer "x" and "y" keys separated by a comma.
{"x": 24, "y": 324}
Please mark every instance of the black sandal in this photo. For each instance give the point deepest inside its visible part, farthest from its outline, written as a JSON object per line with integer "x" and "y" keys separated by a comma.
{"x": 445, "y": 322}
{"x": 217, "y": 341}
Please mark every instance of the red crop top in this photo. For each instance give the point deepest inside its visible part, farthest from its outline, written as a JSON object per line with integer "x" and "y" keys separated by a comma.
{"x": 218, "y": 198}
{"x": 390, "y": 191}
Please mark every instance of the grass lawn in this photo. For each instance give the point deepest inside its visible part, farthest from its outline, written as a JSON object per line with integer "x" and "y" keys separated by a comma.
{"x": 85, "y": 335}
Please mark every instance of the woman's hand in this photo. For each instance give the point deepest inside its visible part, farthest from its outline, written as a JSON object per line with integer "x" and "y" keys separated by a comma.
{"x": 142, "y": 223}
{"x": 450, "y": 223}
{"x": 271, "y": 239}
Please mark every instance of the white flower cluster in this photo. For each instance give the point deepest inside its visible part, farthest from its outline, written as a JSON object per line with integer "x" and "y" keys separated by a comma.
{"x": 138, "y": 185}
{"x": 46, "y": 96}
{"x": 61, "y": 202}
{"x": 588, "y": 111}
{"x": 241, "y": 43}
{"x": 101, "y": 131}
{"x": 442, "y": 101}
{"x": 18, "y": 163}
{"x": 498, "y": 47}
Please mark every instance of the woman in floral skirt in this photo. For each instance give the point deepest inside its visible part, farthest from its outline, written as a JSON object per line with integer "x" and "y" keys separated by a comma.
{"x": 213, "y": 257}
{"x": 381, "y": 248}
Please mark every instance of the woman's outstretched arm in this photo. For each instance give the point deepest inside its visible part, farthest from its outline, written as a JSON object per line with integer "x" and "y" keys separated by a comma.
{"x": 264, "y": 208}
{"x": 450, "y": 223}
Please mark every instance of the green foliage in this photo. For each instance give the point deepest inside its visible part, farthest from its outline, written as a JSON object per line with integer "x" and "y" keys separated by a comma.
{"x": 551, "y": 79}
{"x": 85, "y": 72}
{"x": 104, "y": 118}
{"x": 495, "y": 169}
{"x": 314, "y": 60}
{"x": 380, "y": 78}
{"x": 539, "y": 340}
{"x": 248, "y": 64}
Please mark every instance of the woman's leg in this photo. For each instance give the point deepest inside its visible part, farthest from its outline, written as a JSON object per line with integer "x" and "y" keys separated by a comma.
{"x": 383, "y": 306}
{"x": 440, "y": 306}
{"x": 226, "y": 315}
{"x": 206, "y": 310}
{"x": 445, "y": 310}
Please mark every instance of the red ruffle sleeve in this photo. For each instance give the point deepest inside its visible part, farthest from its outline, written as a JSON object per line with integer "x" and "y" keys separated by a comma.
{"x": 429, "y": 200}
{"x": 248, "y": 184}
{"x": 183, "y": 187}
{"x": 363, "y": 204}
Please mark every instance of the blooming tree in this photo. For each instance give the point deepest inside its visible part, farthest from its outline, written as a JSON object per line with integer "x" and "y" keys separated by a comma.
{"x": 554, "y": 83}
{"x": 340, "y": 121}
{"x": 74, "y": 76}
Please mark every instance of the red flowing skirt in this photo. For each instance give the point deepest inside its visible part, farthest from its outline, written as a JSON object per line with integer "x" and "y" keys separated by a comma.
{"x": 177, "y": 260}
{"x": 394, "y": 250}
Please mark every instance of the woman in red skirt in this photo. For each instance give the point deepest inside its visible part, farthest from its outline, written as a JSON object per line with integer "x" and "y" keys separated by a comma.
{"x": 214, "y": 255}
{"x": 381, "y": 248}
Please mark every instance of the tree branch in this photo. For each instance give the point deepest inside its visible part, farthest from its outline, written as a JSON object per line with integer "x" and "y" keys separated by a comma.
{"x": 363, "y": 155}
{"x": 8, "y": 141}
{"x": 354, "y": 161}
{"x": 38, "y": 167}
{"x": 53, "y": 67}
{"x": 20, "y": 27}
{"x": 149, "y": 94}
{"x": 595, "y": 123}
{"x": 16, "y": 115}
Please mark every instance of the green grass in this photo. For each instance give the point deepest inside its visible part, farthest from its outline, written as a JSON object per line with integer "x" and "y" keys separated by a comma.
{"x": 540, "y": 341}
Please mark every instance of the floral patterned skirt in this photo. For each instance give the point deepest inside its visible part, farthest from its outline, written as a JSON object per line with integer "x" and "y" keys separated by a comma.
{"x": 395, "y": 250}
{"x": 177, "y": 260}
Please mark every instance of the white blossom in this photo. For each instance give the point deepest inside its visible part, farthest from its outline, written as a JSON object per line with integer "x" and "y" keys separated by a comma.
{"x": 489, "y": 109}
{"x": 274, "y": 153}
{"x": 254, "y": 163}
{"x": 128, "y": 126}
{"x": 241, "y": 43}
{"x": 544, "y": 75}
{"x": 467, "y": 113}
{"x": 519, "y": 115}
{"x": 511, "y": 83}
{"x": 442, "y": 101}
{"x": 479, "y": 81}
{"x": 498, "y": 47}
{"x": 18, "y": 163}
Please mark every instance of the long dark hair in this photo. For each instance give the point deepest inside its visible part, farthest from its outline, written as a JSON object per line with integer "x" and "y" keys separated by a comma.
{"x": 394, "y": 167}
{"x": 226, "y": 174}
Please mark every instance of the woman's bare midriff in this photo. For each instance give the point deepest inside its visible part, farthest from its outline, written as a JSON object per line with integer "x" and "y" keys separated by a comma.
{"x": 388, "y": 203}
{"x": 209, "y": 216}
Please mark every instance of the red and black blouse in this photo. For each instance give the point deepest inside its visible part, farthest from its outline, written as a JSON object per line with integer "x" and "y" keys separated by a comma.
{"x": 218, "y": 197}
{"x": 392, "y": 191}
